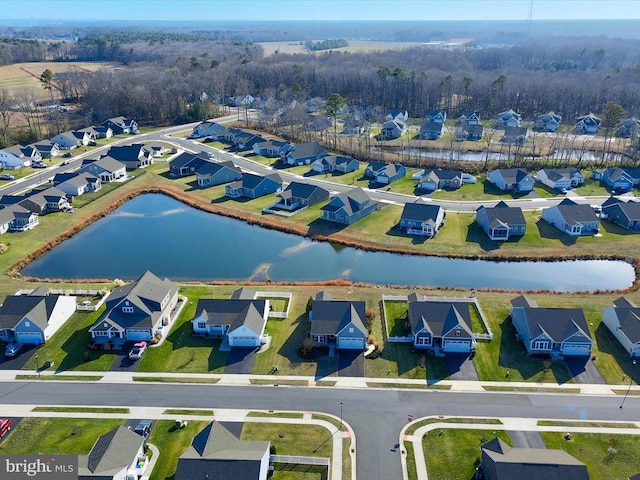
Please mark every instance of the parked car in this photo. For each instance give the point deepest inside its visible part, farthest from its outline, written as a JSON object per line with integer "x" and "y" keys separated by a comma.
{"x": 65, "y": 162}
{"x": 144, "y": 428}
{"x": 5, "y": 426}
{"x": 38, "y": 165}
{"x": 12, "y": 349}
{"x": 6, "y": 176}
{"x": 138, "y": 350}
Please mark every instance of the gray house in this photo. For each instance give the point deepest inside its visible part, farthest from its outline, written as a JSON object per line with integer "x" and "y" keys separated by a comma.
{"x": 502, "y": 221}
{"x": 335, "y": 163}
{"x": 587, "y": 124}
{"x": 625, "y": 213}
{"x": 560, "y": 179}
{"x": 433, "y": 125}
{"x": 572, "y": 218}
{"x": 421, "y": 218}
{"x": 439, "y": 178}
{"x": 338, "y": 323}
{"x": 215, "y": 453}
{"x": 187, "y": 163}
{"x": 120, "y": 125}
{"x": 299, "y": 195}
{"x": 548, "y": 122}
{"x": 630, "y": 128}
{"x": 511, "y": 179}
{"x": 623, "y": 321}
{"x": 132, "y": 156}
{"x": 106, "y": 168}
{"x": 384, "y": 173}
{"x": 552, "y": 331}
{"x": 349, "y": 207}
{"x": 254, "y": 186}
{"x": 392, "y": 129}
{"x": 137, "y": 311}
{"x": 304, "y": 153}
{"x": 508, "y": 119}
{"x": 440, "y": 326}
{"x": 210, "y": 174}
{"x": 499, "y": 461}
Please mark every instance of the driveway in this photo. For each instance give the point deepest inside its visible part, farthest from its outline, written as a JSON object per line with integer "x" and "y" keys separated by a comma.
{"x": 351, "y": 363}
{"x": 122, "y": 363}
{"x": 24, "y": 358}
{"x": 584, "y": 370}
{"x": 461, "y": 367}
{"x": 240, "y": 360}
{"x": 522, "y": 439}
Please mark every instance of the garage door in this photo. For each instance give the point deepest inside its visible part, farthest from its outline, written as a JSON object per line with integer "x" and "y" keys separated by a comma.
{"x": 576, "y": 349}
{"x": 29, "y": 337}
{"x": 456, "y": 346}
{"x": 351, "y": 343}
{"x": 138, "y": 335}
{"x": 243, "y": 342}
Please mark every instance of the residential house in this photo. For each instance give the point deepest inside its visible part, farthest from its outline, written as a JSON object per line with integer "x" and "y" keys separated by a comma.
{"x": 502, "y": 221}
{"x": 207, "y": 128}
{"x": 355, "y": 126}
{"x": 548, "y": 122}
{"x": 210, "y": 174}
{"x": 317, "y": 123}
{"x": 587, "y": 124}
{"x": 303, "y": 153}
{"x": 245, "y": 140}
{"x": 137, "y": 311}
{"x": 439, "y": 178}
{"x": 132, "y": 156}
{"x": 252, "y": 185}
{"x": 46, "y": 148}
{"x": 215, "y": 453}
{"x": 334, "y": 163}
{"x": 384, "y": 173}
{"x": 8, "y": 161}
{"x": 240, "y": 321}
{"x": 72, "y": 139}
{"x": 440, "y": 326}
{"x": 78, "y": 184}
{"x": 157, "y": 149}
{"x": 349, "y": 207}
{"x": 314, "y": 105}
{"x": 45, "y": 201}
{"x": 511, "y": 179}
{"x": 117, "y": 455}
{"x": 22, "y": 219}
{"x": 433, "y": 125}
{"x": 421, "y": 218}
{"x": 625, "y": 213}
{"x": 508, "y": 119}
{"x": 551, "y": 331}
{"x": 499, "y": 461}
{"x": 621, "y": 179}
{"x": 629, "y": 128}
{"x": 187, "y": 163}
{"x": 271, "y": 148}
{"x": 515, "y": 135}
{"x": 33, "y": 319}
{"x": 27, "y": 154}
{"x": 96, "y": 132}
{"x": 299, "y": 195}
{"x": 338, "y": 323}
{"x": 108, "y": 169}
{"x": 392, "y": 129}
{"x": 623, "y": 321}
{"x": 572, "y": 218}
{"x": 560, "y": 179}
{"x": 120, "y": 125}
{"x": 472, "y": 133}
{"x": 401, "y": 115}
{"x": 6, "y": 218}
{"x": 469, "y": 117}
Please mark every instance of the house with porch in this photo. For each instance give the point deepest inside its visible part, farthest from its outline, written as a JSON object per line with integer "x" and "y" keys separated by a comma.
{"x": 629, "y": 128}
{"x": 421, "y": 218}
{"x": 338, "y": 323}
{"x": 187, "y": 163}
{"x": 27, "y": 154}
{"x": 22, "y": 219}
{"x": 439, "y": 178}
{"x": 33, "y": 319}
{"x": 508, "y": 119}
{"x": 8, "y": 161}
{"x": 499, "y": 461}
{"x": 298, "y": 195}
{"x": 303, "y": 153}
{"x": 501, "y": 222}
{"x": 241, "y": 322}
{"x": 349, "y": 207}
{"x": 511, "y": 179}
{"x": 384, "y": 173}
{"x": 46, "y": 148}
{"x": 119, "y": 125}
{"x": 79, "y": 184}
{"x": 550, "y": 331}
{"x": 72, "y": 139}
{"x": 587, "y": 124}
{"x": 469, "y": 117}
{"x": 210, "y": 174}
{"x": 473, "y": 133}
{"x": 215, "y": 453}
{"x": 46, "y": 201}
{"x": 207, "y": 128}
{"x": 108, "y": 169}
{"x": 132, "y": 156}
{"x": 116, "y": 455}
{"x": 560, "y": 179}
{"x": 621, "y": 179}
{"x": 392, "y": 129}
{"x": 335, "y": 163}
{"x": 271, "y": 148}
{"x": 433, "y": 125}
{"x": 548, "y": 122}
{"x": 252, "y": 185}
{"x": 96, "y": 132}
{"x": 623, "y": 321}
{"x": 625, "y": 213}
{"x": 572, "y": 218}
{"x": 137, "y": 311}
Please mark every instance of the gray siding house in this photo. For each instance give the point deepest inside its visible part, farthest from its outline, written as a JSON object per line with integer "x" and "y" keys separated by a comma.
{"x": 254, "y": 186}
{"x": 421, "y": 218}
{"x": 338, "y": 323}
{"x": 572, "y": 218}
{"x": 511, "y": 179}
{"x": 502, "y": 221}
{"x": 210, "y": 174}
{"x": 625, "y": 213}
{"x": 623, "y": 321}
{"x": 349, "y": 207}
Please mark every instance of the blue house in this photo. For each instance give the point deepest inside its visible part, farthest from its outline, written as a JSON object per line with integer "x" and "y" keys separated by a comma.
{"x": 439, "y": 178}
{"x": 620, "y": 179}
{"x": 334, "y": 163}
{"x": 254, "y": 186}
{"x": 338, "y": 323}
{"x": 421, "y": 218}
{"x": 624, "y": 213}
{"x": 210, "y": 173}
{"x": 304, "y": 153}
{"x": 384, "y": 173}
{"x": 298, "y": 195}
{"x": 512, "y": 179}
{"x": 502, "y": 221}
{"x": 187, "y": 163}
{"x": 349, "y": 207}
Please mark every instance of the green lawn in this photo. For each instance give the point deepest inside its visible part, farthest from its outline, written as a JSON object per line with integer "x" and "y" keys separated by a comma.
{"x": 454, "y": 454}
{"x": 592, "y": 449}
{"x": 171, "y": 442}
{"x": 396, "y": 314}
{"x": 56, "y": 435}
{"x": 288, "y": 439}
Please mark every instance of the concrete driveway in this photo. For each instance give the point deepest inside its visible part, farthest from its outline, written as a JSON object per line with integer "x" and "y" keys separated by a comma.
{"x": 240, "y": 360}
{"x": 461, "y": 367}
{"x": 351, "y": 363}
{"x": 584, "y": 370}
{"x": 24, "y": 358}
{"x": 527, "y": 439}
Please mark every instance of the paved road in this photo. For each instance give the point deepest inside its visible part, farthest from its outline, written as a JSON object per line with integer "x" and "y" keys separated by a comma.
{"x": 377, "y": 416}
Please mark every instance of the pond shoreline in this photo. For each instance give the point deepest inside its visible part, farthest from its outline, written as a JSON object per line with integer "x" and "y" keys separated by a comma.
{"x": 271, "y": 222}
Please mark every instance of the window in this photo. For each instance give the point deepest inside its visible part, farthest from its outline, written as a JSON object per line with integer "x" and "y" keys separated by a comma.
{"x": 27, "y": 324}
{"x": 350, "y": 329}
{"x": 541, "y": 345}
{"x": 423, "y": 341}
{"x": 202, "y": 324}
{"x": 127, "y": 309}
{"x": 457, "y": 333}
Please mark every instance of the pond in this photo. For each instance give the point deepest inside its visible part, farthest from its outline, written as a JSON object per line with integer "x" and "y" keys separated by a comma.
{"x": 158, "y": 233}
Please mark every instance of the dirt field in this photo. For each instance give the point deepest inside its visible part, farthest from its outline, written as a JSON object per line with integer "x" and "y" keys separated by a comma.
{"x": 354, "y": 46}
{"x": 20, "y": 76}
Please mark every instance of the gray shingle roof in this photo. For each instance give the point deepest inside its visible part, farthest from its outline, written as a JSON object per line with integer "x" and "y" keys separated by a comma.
{"x": 233, "y": 312}
{"x": 579, "y": 213}
{"x": 439, "y": 318}
{"x": 110, "y": 454}
{"x": 420, "y": 211}
{"x": 556, "y": 323}
{"x": 503, "y": 214}
{"x": 16, "y": 307}
{"x": 331, "y": 316}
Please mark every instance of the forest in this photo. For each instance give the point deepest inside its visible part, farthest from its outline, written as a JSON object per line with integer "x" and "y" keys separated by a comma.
{"x": 167, "y": 78}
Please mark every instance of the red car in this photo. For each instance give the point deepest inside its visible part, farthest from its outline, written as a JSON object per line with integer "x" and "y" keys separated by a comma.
{"x": 138, "y": 350}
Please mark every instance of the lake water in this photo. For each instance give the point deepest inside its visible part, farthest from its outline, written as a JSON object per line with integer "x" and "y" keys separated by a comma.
{"x": 155, "y": 232}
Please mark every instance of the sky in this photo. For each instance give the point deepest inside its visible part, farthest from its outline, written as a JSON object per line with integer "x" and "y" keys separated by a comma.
{"x": 185, "y": 10}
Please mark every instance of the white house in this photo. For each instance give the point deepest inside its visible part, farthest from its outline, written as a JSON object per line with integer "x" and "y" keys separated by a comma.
{"x": 623, "y": 321}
